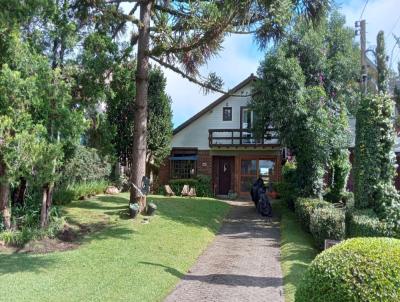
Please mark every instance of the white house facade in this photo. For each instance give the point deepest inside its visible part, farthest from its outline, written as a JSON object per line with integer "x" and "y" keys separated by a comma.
{"x": 217, "y": 142}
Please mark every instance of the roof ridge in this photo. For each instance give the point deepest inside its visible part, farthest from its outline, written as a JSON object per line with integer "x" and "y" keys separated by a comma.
{"x": 218, "y": 101}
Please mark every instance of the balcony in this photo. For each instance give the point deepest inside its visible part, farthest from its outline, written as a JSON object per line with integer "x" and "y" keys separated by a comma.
{"x": 240, "y": 138}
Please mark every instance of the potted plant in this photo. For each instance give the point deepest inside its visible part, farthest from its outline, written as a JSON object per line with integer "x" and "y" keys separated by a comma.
{"x": 133, "y": 210}
{"x": 151, "y": 208}
{"x": 232, "y": 195}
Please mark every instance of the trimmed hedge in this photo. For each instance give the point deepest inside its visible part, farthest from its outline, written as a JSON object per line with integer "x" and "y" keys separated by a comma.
{"x": 327, "y": 222}
{"x": 345, "y": 197}
{"x": 365, "y": 223}
{"x": 304, "y": 207}
{"x": 201, "y": 183}
{"x": 358, "y": 269}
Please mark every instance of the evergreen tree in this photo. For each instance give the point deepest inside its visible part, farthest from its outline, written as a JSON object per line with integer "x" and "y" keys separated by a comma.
{"x": 375, "y": 160}
{"x": 313, "y": 70}
{"x": 381, "y": 63}
{"x": 120, "y": 109}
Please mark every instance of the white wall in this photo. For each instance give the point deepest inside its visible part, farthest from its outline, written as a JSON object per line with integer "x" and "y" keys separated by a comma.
{"x": 196, "y": 134}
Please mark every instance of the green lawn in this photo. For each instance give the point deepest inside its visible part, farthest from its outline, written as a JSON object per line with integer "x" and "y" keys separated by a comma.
{"x": 125, "y": 261}
{"x": 297, "y": 250}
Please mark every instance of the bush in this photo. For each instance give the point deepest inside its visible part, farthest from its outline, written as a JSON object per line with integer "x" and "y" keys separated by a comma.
{"x": 287, "y": 189}
{"x": 359, "y": 269}
{"x": 365, "y": 223}
{"x": 304, "y": 207}
{"x": 346, "y": 198}
{"x": 66, "y": 194}
{"x": 204, "y": 186}
{"x": 18, "y": 238}
{"x": 327, "y": 223}
{"x": 201, "y": 183}
{"x": 85, "y": 166}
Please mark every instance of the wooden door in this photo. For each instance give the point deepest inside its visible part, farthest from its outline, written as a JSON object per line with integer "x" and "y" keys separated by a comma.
{"x": 225, "y": 175}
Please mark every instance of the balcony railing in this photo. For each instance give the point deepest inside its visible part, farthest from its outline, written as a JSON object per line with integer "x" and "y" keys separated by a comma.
{"x": 240, "y": 137}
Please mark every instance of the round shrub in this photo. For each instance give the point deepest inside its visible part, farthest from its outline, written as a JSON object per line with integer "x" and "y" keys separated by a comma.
{"x": 358, "y": 269}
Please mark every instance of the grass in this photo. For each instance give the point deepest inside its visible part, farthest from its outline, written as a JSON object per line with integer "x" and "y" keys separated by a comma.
{"x": 125, "y": 261}
{"x": 297, "y": 250}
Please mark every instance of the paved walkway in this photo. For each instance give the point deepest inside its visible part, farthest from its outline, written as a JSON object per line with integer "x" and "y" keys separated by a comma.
{"x": 242, "y": 264}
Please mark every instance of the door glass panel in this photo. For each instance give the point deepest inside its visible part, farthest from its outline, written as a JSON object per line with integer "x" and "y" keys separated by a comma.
{"x": 249, "y": 167}
{"x": 266, "y": 170}
{"x": 246, "y": 182}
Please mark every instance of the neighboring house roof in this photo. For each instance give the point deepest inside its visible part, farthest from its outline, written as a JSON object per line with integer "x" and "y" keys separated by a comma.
{"x": 242, "y": 84}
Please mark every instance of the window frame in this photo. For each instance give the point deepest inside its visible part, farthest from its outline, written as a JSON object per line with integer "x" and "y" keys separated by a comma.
{"x": 229, "y": 118}
{"x": 183, "y": 172}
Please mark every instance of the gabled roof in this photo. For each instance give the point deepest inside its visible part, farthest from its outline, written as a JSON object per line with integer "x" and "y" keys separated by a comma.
{"x": 242, "y": 84}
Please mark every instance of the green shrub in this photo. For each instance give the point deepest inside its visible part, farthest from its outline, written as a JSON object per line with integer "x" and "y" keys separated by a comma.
{"x": 346, "y": 198}
{"x": 66, "y": 194}
{"x": 201, "y": 183}
{"x": 359, "y": 269}
{"x": 204, "y": 186}
{"x": 85, "y": 166}
{"x": 327, "y": 223}
{"x": 19, "y": 237}
{"x": 287, "y": 189}
{"x": 365, "y": 223}
{"x": 304, "y": 207}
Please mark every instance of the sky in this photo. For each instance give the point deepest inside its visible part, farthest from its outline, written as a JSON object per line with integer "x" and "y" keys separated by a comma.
{"x": 241, "y": 56}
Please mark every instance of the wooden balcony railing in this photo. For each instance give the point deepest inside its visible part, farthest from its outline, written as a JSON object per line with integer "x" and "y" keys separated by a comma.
{"x": 240, "y": 137}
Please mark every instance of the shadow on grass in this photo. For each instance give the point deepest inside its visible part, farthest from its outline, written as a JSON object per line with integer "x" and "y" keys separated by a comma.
{"x": 223, "y": 279}
{"x": 192, "y": 212}
{"x": 16, "y": 263}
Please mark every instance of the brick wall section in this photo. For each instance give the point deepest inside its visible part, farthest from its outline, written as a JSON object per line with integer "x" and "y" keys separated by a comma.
{"x": 164, "y": 172}
{"x": 203, "y": 157}
{"x": 204, "y": 163}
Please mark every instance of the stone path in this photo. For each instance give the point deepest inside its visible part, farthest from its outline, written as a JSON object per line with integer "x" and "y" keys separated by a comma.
{"x": 242, "y": 264}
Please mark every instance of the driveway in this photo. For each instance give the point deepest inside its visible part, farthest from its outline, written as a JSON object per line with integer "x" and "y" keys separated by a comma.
{"x": 242, "y": 264}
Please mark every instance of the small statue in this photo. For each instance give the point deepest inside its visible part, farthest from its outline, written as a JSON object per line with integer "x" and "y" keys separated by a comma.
{"x": 145, "y": 185}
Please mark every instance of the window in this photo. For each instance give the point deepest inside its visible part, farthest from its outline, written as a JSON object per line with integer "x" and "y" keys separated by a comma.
{"x": 183, "y": 169}
{"x": 183, "y": 165}
{"x": 227, "y": 114}
{"x": 252, "y": 169}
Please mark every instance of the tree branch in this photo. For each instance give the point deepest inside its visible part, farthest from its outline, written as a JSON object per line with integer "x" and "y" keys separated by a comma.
{"x": 121, "y": 25}
{"x": 204, "y": 85}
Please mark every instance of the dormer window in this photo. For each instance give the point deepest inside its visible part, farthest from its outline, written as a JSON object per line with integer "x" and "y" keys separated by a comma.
{"x": 227, "y": 114}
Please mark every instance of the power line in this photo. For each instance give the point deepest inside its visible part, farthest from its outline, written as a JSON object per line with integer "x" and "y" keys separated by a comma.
{"x": 395, "y": 24}
{"x": 362, "y": 13}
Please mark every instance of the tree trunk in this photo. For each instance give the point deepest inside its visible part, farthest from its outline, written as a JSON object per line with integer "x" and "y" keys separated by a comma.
{"x": 47, "y": 200}
{"x": 138, "y": 165}
{"x": 43, "y": 212}
{"x": 18, "y": 196}
{"x": 4, "y": 196}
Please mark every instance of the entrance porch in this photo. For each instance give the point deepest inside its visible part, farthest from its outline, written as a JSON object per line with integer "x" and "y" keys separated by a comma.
{"x": 236, "y": 172}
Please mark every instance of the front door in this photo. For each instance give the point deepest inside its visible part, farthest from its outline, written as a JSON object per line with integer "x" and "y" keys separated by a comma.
{"x": 225, "y": 174}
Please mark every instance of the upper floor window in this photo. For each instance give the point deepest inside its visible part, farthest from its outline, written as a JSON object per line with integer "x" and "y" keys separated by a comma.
{"x": 227, "y": 114}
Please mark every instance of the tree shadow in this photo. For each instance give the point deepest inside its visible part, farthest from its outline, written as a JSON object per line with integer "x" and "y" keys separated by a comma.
{"x": 16, "y": 263}
{"x": 223, "y": 279}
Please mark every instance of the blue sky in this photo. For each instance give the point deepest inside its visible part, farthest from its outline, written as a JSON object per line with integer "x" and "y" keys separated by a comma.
{"x": 240, "y": 56}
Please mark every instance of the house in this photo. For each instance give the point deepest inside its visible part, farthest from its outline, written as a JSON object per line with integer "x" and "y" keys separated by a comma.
{"x": 218, "y": 142}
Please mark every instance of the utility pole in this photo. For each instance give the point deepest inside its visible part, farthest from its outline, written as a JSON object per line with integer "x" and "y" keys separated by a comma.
{"x": 363, "y": 43}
